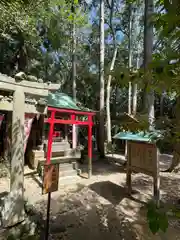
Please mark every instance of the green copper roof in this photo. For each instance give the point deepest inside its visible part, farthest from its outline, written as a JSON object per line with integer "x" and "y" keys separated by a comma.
{"x": 140, "y": 136}
{"x": 63, "y": 101}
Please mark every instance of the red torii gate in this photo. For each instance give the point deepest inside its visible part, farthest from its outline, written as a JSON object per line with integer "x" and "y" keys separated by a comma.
{"x": 73, "y": 114}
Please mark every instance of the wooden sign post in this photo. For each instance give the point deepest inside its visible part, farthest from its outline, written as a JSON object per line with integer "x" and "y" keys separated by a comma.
{"x": 143, "y": 158}
{"x": 50, "y": 184}
{"x": 50, "y": 178}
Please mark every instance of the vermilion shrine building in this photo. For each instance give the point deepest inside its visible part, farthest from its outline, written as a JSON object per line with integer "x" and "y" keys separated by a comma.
{"x": 62, "y": 110}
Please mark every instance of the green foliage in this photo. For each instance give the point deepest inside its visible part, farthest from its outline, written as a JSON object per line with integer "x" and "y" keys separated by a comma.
{"x": 176, "y": 212}
{"x": 157, "y": 218}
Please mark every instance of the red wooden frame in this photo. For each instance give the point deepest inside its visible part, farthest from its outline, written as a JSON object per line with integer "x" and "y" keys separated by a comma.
{"x": 73, "y": 113}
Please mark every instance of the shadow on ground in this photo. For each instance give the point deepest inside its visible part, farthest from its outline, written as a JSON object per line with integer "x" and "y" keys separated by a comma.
{"x": 103, "y": 168}
{"x": 110, "y": 191}
{"x": 169, "y": 186}
{"x": 91, "y": 222}
{"x": 94, "y": 213}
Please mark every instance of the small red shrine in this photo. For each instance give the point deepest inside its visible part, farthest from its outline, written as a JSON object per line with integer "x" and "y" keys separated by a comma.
{"x": 62, "y": 114}
{"x": 63, "y": 110}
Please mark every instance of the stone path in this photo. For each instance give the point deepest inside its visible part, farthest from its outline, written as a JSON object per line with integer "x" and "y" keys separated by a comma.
{"x": 98, "y": 208}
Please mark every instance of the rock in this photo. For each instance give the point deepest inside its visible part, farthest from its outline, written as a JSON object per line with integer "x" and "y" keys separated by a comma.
{"x": 42, "y": 102}
{"x": 20, "y": 76}
{"x": 32, "y": 78}
{"x": 40, "y": 80}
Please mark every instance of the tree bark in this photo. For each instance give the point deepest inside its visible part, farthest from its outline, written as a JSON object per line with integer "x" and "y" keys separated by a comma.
{"x": 148, "y": 50}
{"x": 130, "y": 59}
{"x": 130, "y": 66}
{"x": 135, "y": 86}
{"x": 74, "y": 129}
{"x": 101, "y": 80}
{"x": 108, "y": 96}
{"x": 134, "y": 98}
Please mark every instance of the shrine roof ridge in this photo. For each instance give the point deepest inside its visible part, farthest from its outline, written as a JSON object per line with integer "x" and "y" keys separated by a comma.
{"x": 63, "y": 101}
{"x": 140, "y": 136}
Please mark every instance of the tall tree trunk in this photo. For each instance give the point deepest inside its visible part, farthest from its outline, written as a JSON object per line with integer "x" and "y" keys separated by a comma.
{"x": 108, "y": 96}
{"x": 130, "y": 59}
{"x": 101, "y": 80}
{"x": 74, "y": 60}
{"x": 130, "y": 66}
{"x": 148, "y": 50}
{"x": 74, "y": 127}
{"x": 135, "y": 86}
{"x": 134, "y": 98}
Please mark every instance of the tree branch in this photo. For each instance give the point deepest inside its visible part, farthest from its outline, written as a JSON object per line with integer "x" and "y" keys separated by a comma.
{"x": 108, "y": 3}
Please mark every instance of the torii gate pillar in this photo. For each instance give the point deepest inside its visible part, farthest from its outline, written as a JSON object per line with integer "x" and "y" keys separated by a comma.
{"x": 13, "y": 208}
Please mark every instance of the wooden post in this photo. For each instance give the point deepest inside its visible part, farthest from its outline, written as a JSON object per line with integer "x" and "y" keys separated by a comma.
{"x": 156, "y": 182}
{"x": 129, "y": 170}
{"x": 90, "y": 147}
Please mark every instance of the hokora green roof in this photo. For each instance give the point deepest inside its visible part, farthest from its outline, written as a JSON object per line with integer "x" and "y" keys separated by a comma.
{"x": 140, "y": 136}
{"x": 63, "y": 101}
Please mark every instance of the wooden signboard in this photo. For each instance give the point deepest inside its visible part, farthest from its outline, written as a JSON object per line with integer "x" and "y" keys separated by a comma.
{"x": 143, "y": 158}
{"x": 50, "y": 178}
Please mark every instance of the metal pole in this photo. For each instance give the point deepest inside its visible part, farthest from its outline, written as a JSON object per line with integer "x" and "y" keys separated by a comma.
{"x": 48, "y": 216}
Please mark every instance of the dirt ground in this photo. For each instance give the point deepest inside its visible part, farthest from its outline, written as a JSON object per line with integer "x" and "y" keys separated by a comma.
{"x": 98, "y": 208}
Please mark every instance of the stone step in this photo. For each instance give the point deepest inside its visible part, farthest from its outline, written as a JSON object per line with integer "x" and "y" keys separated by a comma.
{"x": 58, "y": 146}
{"x": 60, "y": 160}
{"x": 66, "y": 152}
{"x": 38, "y": 153}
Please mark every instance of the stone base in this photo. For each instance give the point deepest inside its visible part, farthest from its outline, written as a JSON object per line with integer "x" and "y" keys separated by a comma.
{"x": 36, "y": 156}
{"x": 25, "y": 230}
{"x": 12, "y": 211}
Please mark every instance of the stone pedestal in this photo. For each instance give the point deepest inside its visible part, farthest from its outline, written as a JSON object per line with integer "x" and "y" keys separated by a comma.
{"x": 37, "y": 156}
{"x": 59, "y": 149}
